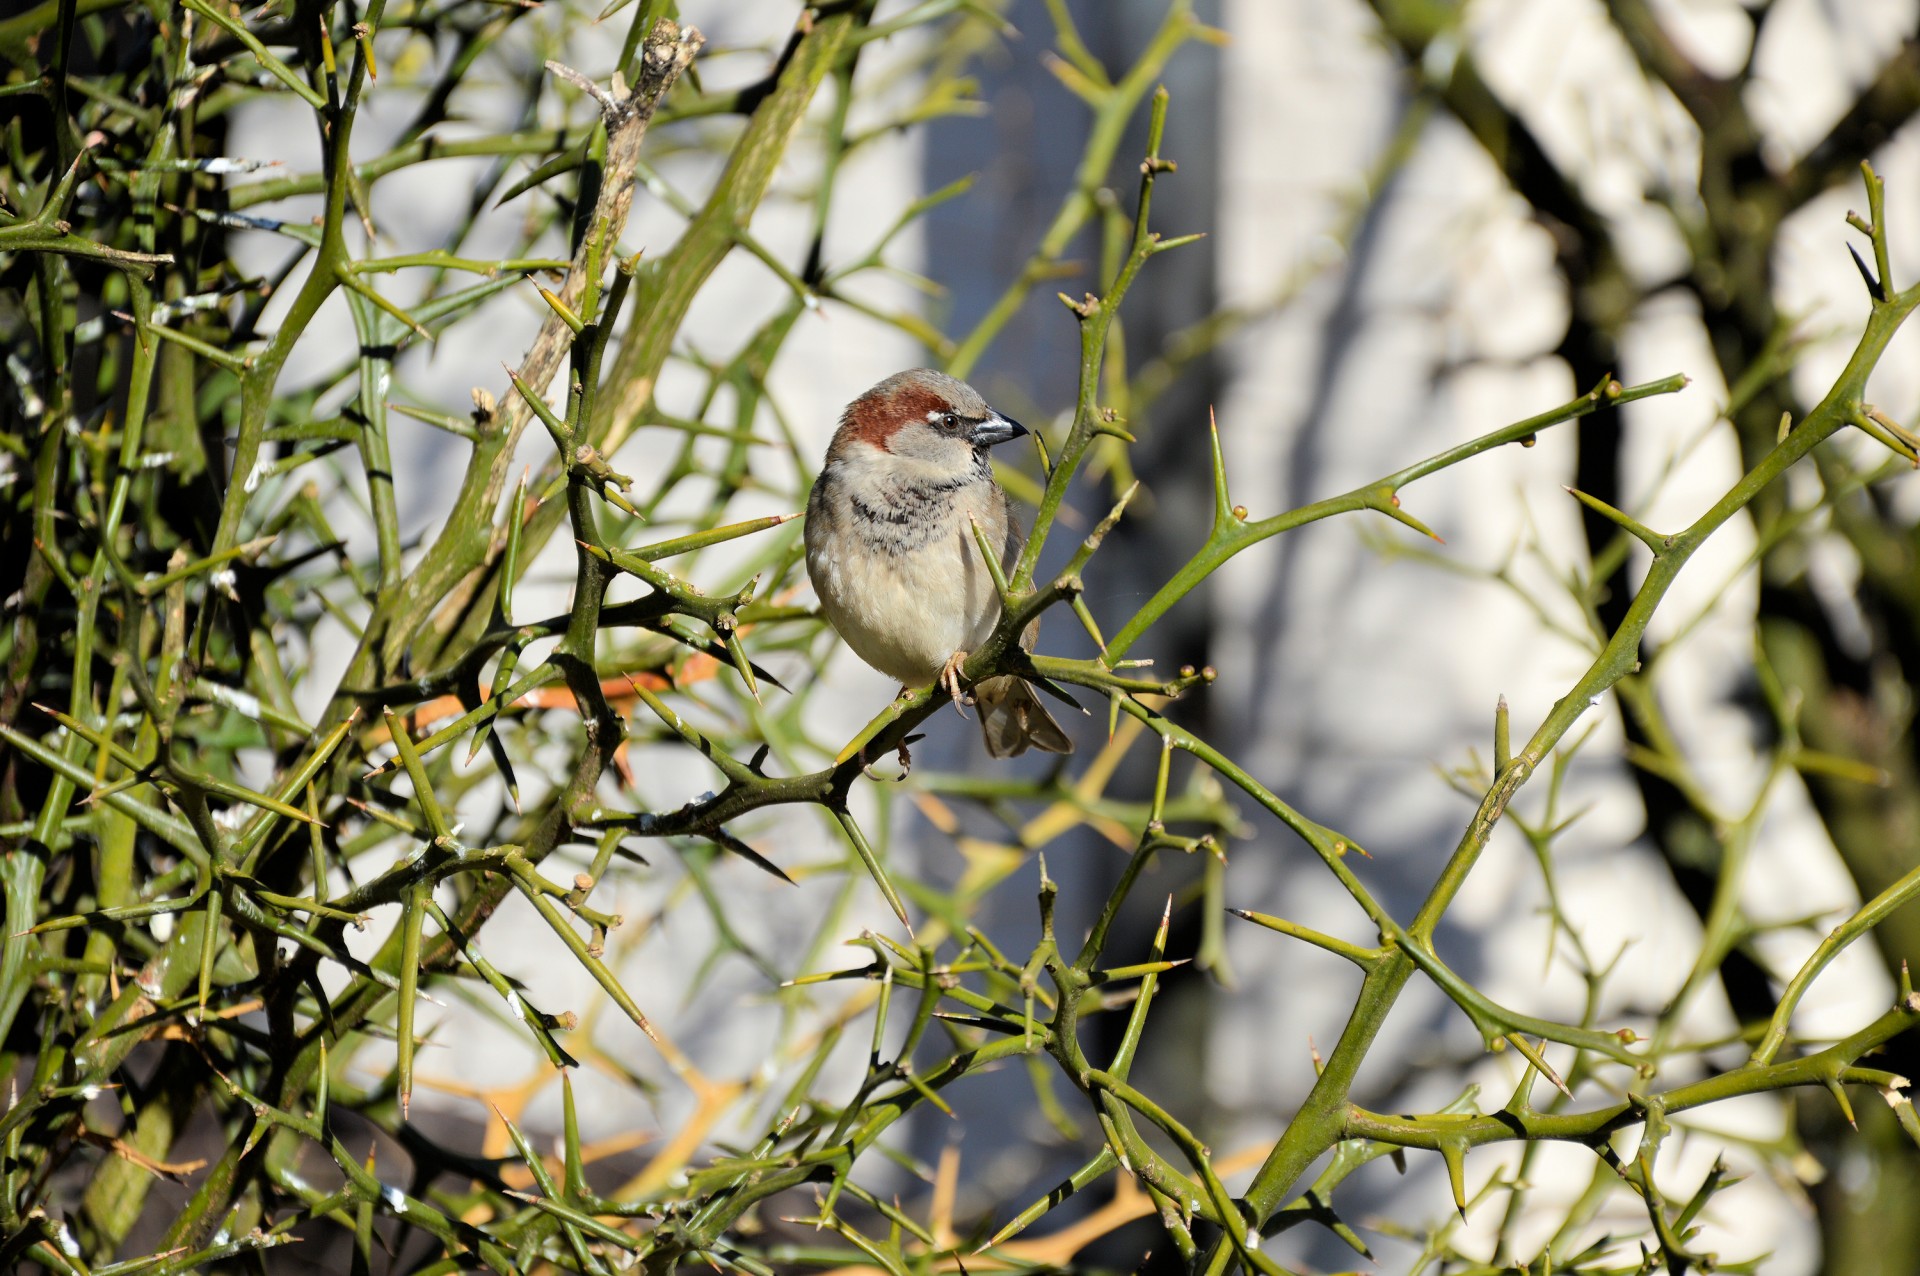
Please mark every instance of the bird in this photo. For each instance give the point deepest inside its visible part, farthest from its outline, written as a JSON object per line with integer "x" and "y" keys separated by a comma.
{"x": 891, "y": 550}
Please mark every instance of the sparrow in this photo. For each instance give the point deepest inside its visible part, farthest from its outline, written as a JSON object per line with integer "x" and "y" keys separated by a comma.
{"x": 891, "y": 550}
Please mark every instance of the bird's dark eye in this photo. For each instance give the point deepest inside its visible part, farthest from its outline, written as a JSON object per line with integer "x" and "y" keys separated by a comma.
{"x": 948, "y": 421}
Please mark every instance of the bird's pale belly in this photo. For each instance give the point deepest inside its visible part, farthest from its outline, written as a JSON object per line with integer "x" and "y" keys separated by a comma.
{"x": 905, "y": 614}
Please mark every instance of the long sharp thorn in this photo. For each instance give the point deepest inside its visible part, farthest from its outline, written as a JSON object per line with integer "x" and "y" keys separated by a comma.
{"x": 1875, "y": 288}
{"x": 1454, "y": 1153}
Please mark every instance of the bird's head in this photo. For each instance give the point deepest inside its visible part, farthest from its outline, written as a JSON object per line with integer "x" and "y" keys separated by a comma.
{"x": 925, "y": 419}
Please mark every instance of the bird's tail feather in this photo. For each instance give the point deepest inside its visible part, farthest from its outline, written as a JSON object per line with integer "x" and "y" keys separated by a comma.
{"x": 1013, "y": 720}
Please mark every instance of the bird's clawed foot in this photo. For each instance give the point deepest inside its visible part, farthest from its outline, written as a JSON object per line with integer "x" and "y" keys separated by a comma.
{"x": 905, "y": 757}
{"x": 950, "y": 681}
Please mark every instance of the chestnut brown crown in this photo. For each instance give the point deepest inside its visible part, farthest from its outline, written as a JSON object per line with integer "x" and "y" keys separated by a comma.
{"x": 925, "y": 415}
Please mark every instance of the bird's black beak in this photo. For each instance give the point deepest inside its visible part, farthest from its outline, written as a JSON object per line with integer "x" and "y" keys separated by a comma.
{"x": 996, "y": 429}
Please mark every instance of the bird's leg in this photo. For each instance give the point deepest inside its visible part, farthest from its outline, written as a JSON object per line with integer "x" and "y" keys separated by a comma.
{"x": 950, "y": 679}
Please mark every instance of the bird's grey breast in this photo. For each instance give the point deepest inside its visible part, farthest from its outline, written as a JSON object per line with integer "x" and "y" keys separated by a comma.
{"x": 900, "y": 516}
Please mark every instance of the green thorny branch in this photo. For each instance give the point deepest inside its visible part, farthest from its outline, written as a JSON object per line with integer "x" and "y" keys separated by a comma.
{"x": 1327, "y": 1117}
{"x": 246, "y": 868}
